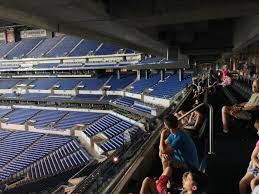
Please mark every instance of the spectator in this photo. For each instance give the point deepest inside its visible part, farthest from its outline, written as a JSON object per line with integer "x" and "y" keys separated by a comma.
{"x": 176, "y": 148}
{"x": 150, "y": 186}
{"x": 241, "y": 111}
{"x": 194, "y": 122}
{"x": 226, "y": 80}
{"x": 224, "y": 71}
{"x": 252, "y": 175}
{"x": 244, "y": 71}
{"x": 192, "y": 181}
{"x": 190, "y": 122}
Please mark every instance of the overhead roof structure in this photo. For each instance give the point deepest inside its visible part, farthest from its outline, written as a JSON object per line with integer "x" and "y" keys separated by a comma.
{"x": 200, "y": 29}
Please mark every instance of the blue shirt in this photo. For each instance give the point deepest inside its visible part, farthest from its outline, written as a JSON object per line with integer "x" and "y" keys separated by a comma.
{"x": 184, "y": 148}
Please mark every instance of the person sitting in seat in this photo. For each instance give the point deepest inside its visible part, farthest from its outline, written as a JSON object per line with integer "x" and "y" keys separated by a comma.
{"x": 241, "y": 111}
{"x": 192, "y": 182}
{"x": 252, "y": 175}
{"x": 176, "y": 148}
{"x": 227, "y": 81}
{"x": 191, "y": 122}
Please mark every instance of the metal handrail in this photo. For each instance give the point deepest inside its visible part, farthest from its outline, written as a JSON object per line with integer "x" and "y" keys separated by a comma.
{"x": 210, "y": 122}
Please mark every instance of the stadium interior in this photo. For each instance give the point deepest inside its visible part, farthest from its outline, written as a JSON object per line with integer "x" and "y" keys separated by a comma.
{"x": 85, "y": 85}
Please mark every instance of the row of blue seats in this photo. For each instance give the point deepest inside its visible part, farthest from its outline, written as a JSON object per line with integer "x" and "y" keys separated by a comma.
{"x": 170, "y": 86}
{"x": 120, "y": 140}
{"x": 56, "y": 47}
{"x": 129, "y": 102}
{"x": 20, "y": 149}
{"x": 49, "y": 119}
{"x": 101, "y": 125}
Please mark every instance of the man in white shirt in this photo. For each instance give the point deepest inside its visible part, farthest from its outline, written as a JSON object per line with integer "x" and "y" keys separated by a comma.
{"x": 240, "y": 111}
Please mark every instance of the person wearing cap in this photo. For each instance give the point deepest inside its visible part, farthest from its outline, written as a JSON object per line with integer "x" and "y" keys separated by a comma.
{"x": 176, "y": 148}
{"x": 252, "y": 175}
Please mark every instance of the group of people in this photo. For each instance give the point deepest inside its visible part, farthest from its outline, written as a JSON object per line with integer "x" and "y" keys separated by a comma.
{"x": 176, "y": 151}
{"x": 244, "y": 111}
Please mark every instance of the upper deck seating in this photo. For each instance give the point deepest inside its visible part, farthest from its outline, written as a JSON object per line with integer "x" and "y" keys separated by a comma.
{"x": 44, "y": 47}
{"x": 5, "y": 48}
{"x": 106, "y": 49}
{"x": 24, "y": 47}
{"x": 64, "y": 47}
{"x": 84, "y": 48}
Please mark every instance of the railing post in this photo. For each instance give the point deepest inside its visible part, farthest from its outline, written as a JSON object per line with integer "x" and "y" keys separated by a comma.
{"x": 210, "y": 123}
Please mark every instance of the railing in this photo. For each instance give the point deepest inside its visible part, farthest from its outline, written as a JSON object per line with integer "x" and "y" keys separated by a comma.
{"x": 210, "y": 122}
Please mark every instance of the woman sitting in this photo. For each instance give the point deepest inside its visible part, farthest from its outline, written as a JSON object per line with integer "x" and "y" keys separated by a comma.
{"x": 191, "y": 122}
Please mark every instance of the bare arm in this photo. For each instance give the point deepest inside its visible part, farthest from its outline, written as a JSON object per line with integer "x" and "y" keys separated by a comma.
{"x": 254, "y": 156}
{"x": 197, "y": 122}
{"x": 164, "y": 147}
{"x": 248, "y": 108}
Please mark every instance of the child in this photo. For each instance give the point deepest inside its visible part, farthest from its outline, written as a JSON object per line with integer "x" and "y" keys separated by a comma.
{"x": 252, "y": 175}
{"x": 192, "y": 183}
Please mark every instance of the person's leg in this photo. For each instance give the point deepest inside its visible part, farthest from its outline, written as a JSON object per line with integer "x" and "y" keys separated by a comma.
{"x": 254, "y": 182}
{"x": 244, "y": 182}
{"x": 167, "y": 172}
{"x": 225, "y": 117}
{"x": 165, "y": 161}
{"x": 148, "y": 186}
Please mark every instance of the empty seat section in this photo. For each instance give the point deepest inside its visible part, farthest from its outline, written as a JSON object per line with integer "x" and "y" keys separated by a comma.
{"x": 107, "y": 49}
{"x": 101, "y": 125}
{"x": 73, "y": 118}
{"x": 86, "y": 97}
{"x": 8, "y": 83}
{"x": 124, "y": 101}
{"x": 94, "y": 83}
{"x": 170, "y": 86}
{"x": 142, "y": 84}
{"x": 25, "y": 46}
{"x": 44, "y": 47}
{"x": 21, "y": 115}
{"x": 44, "y": 118}
{"x": 68, "y": 84}
{"x": 44, "y": 84}
{"x": 84, "y": 48}
{"x": 5, "y": 48}
{"x": 33, "y": 96}
{"x": 119, "y": 84}
{"x": 64, "y": 47}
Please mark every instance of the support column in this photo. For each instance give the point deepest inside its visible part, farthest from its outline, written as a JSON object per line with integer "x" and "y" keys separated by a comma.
{"x": 138, "y": 74}
{"x": 118, "y": 74}
{"x": 181, "y": 73}
{"x": 147, "y": 73}
{"x": 162, "y": 74}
